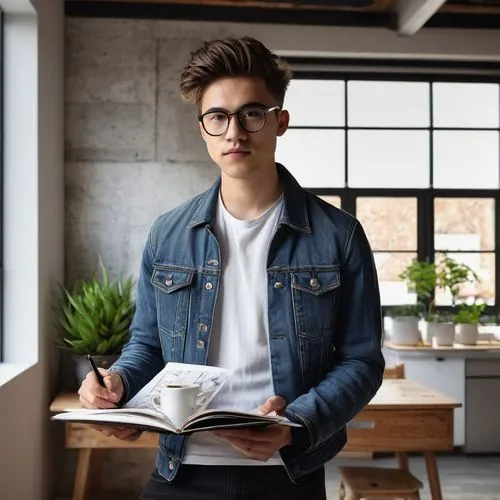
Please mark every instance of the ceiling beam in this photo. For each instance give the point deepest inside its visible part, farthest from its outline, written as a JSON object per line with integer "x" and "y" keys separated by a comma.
{"x": 413, "y": 14}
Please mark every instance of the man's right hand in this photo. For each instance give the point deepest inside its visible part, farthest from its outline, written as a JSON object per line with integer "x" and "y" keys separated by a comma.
{"x": 92, "y": 395}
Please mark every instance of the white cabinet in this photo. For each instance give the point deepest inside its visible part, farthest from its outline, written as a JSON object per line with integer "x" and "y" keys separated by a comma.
{"x": 445, "y": 375}
{"x": 483, "y": 406}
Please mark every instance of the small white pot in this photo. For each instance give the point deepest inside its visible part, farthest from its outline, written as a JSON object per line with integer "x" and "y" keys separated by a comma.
{"x": 405, "y": 330}
{"x": 466, "y": 334}
{"x": 444, "y": 333}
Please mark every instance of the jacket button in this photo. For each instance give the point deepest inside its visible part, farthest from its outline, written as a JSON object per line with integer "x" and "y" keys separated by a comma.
{"x": 200, "y": 344}
{"x": 202, "y": 327}
{"x": 169, "y": 282}
{"x": 170, "y": 465}
{"x": 279, "y": 284}
{"x": 208, "y": 286}
{"x": 213, "y": 262}
{"x": 314, "y": 283}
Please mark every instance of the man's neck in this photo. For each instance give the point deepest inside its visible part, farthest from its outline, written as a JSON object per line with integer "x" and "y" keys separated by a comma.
{"x": 247, "y": 199}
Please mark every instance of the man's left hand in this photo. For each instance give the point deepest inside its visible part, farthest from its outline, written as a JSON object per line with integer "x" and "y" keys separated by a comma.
{"x": 260, "y": 444}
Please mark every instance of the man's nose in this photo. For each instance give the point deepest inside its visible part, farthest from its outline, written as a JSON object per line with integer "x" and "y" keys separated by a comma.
{"x": 234, "y": 130}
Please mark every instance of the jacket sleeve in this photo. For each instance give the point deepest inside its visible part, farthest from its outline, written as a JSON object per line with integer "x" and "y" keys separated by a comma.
{"x": 141, "y": 358}
{"x": 359, "y": 364}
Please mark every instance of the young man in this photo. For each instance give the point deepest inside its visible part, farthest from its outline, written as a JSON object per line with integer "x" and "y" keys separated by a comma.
{"x": 259, "y": 276}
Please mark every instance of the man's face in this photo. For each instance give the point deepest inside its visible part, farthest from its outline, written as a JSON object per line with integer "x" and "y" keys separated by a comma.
{"x": 241, "y": 154}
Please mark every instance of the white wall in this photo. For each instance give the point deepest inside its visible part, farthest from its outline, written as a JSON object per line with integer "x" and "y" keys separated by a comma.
{"x": 34, "y": 246}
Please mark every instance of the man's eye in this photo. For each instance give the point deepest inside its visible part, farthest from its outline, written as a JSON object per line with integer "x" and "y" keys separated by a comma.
{"x": 215, "y": 117}
{"x": 252, "y": 113}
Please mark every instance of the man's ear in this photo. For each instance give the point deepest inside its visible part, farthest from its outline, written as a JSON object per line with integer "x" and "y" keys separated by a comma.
{"x": 283, "y": 121}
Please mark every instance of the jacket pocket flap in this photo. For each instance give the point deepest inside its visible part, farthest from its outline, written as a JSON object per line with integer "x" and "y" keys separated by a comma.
{"x": 170, "y": 280}
{"x": 316, "y": 282}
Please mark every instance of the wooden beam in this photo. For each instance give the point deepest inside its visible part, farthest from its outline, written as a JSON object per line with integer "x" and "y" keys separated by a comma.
{"x": 375, "y": 6}
{"x": 413, "y": 14}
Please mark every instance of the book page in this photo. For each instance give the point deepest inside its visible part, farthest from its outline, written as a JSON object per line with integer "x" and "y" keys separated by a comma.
{"x": 209, "y": 378}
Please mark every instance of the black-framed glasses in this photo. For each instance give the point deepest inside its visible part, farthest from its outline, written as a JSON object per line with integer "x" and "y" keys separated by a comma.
{"x": 251, "y": 119}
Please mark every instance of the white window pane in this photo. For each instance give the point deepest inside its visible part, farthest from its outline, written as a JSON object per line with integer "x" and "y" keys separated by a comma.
{"x": 393, "y": 290}
{"x": 465, "y": 159}
{"x": 388, "y": 104}
{"x": 388, "y": 158}
{"x": 316, "y": 103}
{"x": 315, "y": 157}
{"x": 466, "y": 105}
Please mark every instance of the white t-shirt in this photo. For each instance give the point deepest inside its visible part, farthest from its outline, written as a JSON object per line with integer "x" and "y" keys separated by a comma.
{"x": 240, "y": 334}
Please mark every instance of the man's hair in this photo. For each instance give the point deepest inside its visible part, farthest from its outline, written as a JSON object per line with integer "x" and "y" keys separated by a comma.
{"x": 233, "y": 57}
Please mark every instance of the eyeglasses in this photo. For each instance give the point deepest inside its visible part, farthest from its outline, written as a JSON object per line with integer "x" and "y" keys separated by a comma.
{"x": 252, "y": 119}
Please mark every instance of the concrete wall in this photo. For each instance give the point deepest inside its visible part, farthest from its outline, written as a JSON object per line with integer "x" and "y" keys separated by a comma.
{"x": 133, "y": 149}
{"x": 30, "y": 445}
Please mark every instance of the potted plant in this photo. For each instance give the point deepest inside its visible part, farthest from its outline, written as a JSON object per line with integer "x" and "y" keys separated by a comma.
{"x": 467, "y": 320}
{"x": 94, "y": 318}
{"x": 440, "y": 329}
{"x": 423, "y": 278}
{"x": 404, "y": 325}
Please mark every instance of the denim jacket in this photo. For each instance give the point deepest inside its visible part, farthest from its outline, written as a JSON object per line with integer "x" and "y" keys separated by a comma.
{"x": 325, "y": 324}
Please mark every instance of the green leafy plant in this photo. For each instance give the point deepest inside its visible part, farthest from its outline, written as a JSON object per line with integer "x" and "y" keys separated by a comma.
{"x": 451, "y": 274}
{"x": 423, "y": 277}
{"x": 422, "y": 280}
{"x": 469, "y": 314}
{"x": 439, "y": 317}
{"x": 403, "y": 310}
{"x": 94, "y": 318}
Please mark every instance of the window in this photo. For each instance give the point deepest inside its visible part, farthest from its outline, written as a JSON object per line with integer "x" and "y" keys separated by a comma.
{"x": 415, "y": 158}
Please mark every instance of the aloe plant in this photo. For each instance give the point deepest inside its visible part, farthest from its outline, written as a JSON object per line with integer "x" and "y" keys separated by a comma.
{"x": 94, "y": 318}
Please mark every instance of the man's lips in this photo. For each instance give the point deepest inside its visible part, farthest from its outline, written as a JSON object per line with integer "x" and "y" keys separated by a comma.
{"x": 236, "y": 152}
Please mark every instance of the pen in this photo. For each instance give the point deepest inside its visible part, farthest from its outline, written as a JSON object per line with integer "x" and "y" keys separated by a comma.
{"x": 96, "y": 371}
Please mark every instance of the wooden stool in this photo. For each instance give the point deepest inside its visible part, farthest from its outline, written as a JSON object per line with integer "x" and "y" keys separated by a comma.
{"x": 377, "y": 482}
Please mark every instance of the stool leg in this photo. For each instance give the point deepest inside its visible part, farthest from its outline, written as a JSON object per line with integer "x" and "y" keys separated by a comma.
{"x": 341, "y": 490}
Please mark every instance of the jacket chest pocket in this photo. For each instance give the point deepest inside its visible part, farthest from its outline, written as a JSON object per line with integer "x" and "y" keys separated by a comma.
{"x": 172, "y": 291}
{"x": 315, "y": 297}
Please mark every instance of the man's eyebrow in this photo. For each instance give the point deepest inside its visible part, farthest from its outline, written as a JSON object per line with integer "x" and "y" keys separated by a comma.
{"x": 253, "y": 104}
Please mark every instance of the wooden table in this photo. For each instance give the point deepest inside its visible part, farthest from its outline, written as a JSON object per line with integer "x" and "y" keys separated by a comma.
{"x": 403, "y": 417}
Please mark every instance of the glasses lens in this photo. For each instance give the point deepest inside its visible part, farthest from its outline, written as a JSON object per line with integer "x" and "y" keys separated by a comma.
{"x": 215, "y": 123}
{"x": 252, "y": 119}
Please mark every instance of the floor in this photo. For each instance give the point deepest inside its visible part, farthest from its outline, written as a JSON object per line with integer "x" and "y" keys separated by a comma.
{"x": 462, "y": 478}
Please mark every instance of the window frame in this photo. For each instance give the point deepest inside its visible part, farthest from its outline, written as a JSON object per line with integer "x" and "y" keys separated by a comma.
{"x": 1, "y": 177}
{"x": 411, "y": 71}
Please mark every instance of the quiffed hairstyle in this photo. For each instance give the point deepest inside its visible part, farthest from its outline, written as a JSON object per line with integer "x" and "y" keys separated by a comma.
{"x": 233, "y": 57}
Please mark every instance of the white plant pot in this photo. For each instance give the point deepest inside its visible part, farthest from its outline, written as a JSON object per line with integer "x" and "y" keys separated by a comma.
{"x": 466, "y": 334}
{"x": 444, "y": 333}
{"x": 405, "y": 330}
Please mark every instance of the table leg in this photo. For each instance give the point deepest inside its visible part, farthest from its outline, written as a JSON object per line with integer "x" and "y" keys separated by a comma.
{"x": 81, "y": 486}
{"x": 88, "y": 472}
{"x": 433, "y": 475}
{"x": 402, "y": 460}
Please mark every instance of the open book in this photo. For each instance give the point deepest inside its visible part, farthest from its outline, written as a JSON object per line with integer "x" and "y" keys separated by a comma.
{"x": 143, "y": 411}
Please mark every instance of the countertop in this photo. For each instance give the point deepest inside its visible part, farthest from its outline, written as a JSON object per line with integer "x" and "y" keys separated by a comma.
{"x": 484, "y": 349}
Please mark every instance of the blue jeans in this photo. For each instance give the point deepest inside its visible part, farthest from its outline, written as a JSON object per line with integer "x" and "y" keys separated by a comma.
{"x": 219, "y": 482}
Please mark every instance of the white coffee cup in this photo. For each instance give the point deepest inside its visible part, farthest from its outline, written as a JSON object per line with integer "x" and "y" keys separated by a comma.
{"x": 177, "y": 402}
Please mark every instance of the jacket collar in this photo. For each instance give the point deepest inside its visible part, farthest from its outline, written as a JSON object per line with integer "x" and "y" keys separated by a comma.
{"x": 294, "y": 213}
